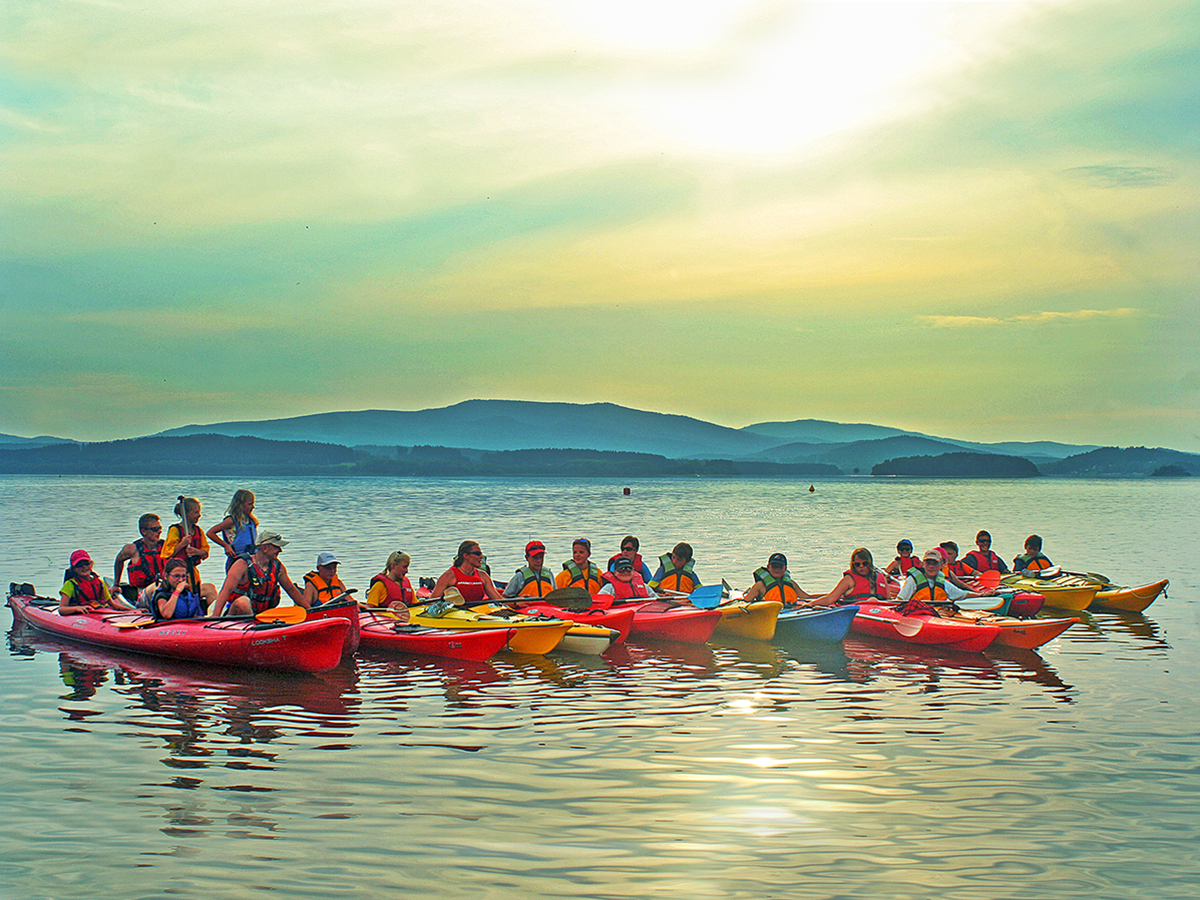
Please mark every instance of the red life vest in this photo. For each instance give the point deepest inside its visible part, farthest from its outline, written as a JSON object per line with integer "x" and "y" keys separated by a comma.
{"x": 984, "y": 563}
{"x": 394, "y": 591}
{"x": 470, "y": 586}
{"x": 261, "y": 587}
{"x": 637, "y": 561}
{"x": 149, "y": 566}
{"x": 907, "y": 562}
{"x": 89, "y": 591}
{"x": 627, "y": 590}
{"x": 863, "y": 589}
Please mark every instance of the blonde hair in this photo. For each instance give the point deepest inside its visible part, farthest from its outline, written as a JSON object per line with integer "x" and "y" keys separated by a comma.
{"x": 237, "y": 515}
{"x": 397, "y": 557}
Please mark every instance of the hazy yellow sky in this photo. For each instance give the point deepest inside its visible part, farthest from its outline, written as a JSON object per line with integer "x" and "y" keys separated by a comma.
{"x": 976, "y": 220}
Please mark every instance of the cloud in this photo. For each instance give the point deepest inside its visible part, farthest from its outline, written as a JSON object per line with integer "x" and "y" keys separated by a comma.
{"x": 1039, "y": 318}
{"x": 1122, "y": 176}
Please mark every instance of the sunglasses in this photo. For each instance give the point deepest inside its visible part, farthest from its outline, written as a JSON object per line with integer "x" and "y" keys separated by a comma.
{"x": 627, "y": 549}
{"x": 473, "y": 553}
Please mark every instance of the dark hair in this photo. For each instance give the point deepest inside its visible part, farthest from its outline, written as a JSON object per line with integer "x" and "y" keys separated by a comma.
{"x": 949, "y": 545}
{"x": 981, "y": 535}
{"x": 682, "y": 550}
{"x": 147, "y": 519}
{"x": 862, "y": 553}
{"x": 462, "y": 550}
{"x": 1033, "y": 542}
{"x": 630, "y": 539}
{"x": 173, "y": 564}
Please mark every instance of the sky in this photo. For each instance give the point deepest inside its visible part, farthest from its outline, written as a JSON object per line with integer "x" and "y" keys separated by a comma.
{"x": 974, "y": 220}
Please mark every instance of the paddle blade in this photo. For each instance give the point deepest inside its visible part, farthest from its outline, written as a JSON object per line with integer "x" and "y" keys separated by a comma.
{"x": 991, "y": 578}
{"x": 289, "y": 614}
{"x": 707, "y": 596}
{"x": 575, "y": 598}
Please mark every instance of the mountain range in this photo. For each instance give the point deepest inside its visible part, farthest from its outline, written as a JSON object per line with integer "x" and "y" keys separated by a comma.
{"x": 478, "y": 427}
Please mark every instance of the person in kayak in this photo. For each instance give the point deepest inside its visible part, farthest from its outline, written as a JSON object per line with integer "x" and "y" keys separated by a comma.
{"x": 175, "y": 598}
{"x": 391, "y": 587}
{"x": 904, "y": 559}
{"x": 926, "y": 589}
{"x": 534, "y": 580}
{"x": 1032, "y": 560}
{"x": 236, "y": 533}
{"x": 579, "y": 570}
{"x": 629, "y": 549}
{"x": 774, "y": 582}
{"x": 83, "y": 590}
{"x": 322, "y": 584}
{"x": 676, "y": 571}
{"x": 862, "y": 581}
{"x": 185, "y": 540}
{"x": 253, "y": 582}
{"x": 624, "y": 582}
{"x": 983, "y": 559}
{"x": 142, "y": 555}
{"x": 954, "y": 569}
{"x": 467, "y": 574}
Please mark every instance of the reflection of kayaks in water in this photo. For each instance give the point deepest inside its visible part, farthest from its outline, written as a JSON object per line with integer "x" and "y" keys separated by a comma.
{"x": 385, "y": 631}
{"x": 303, "y": 646}
{"x": 816, "y": 624}
{"x": 882, "y": 621}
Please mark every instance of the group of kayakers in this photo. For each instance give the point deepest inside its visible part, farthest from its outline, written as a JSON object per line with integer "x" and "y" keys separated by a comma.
{"x": 162, "y": 574}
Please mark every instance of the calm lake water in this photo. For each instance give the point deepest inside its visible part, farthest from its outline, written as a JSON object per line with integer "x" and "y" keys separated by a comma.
{"x": 754, "y": 770}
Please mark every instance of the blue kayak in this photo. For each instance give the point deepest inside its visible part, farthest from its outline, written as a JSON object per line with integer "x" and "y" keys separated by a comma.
{"x": 821, "y": 624}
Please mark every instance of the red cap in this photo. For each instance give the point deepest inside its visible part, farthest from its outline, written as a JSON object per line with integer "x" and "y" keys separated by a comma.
{"x": 534, "y": 547}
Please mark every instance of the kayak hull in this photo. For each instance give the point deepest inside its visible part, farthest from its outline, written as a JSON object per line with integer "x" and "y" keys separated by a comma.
{"x": 755, "y": 620}
{"x": 661, "y": 620}
{"x": 1028, "y": 634}
{"x": 588, "y": 640}
{"x": 828, "y": 624}
{"x": 885, "y": 622}
{"x": 533, "y": 636}
{"x": 304, "y": 646}
{"x": 1060, "y": 592}
{"x": 619, "y": 619}
{"x": 381, "y": 631}
{"x": 344, "y": 608}
{"x": 1128, "y": 599}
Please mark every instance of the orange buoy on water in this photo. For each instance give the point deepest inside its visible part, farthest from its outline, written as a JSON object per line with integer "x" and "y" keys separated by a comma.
{"x": 811, "y": 488}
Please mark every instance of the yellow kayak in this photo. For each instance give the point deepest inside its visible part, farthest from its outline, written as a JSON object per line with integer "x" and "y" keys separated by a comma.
{"x": 1129, "y": 599}
{"x": 753, "y": 620}
{"x": 1061, "y": 591}
{"x": 530, "y": 635}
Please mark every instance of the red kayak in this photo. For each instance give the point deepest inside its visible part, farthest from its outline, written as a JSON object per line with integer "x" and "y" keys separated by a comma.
{"x": 385, "y": 632}
{"x": 618, "y": 618}
{"x": 304, "y": 646}
{"x": 1023, "y": 603}
{"x": 662, "y": 620}
{"x": 343, "y": 607}
{"x": 885, "y": 622}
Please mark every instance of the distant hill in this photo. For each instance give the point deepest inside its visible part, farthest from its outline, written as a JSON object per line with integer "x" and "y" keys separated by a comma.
{"x": 207, "y": 454}
{"x": 1123, "y": 462}
{"x": 508, "y": 425}
{"x": 12, "y": 440}
{"x": 960, "y": 465}
{"x": 213, "y": 454}
{"x": 496, "y": 425}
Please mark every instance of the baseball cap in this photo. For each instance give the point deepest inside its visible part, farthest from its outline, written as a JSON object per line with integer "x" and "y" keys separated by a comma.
{"x": 325, "y": 559}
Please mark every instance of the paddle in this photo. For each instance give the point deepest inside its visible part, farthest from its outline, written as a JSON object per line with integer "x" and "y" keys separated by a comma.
{"x": 707, "y": 596}
{"x": 289, "y": 615}
{"x": 573, "y": 598}
{"x": 193, "y": 578}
